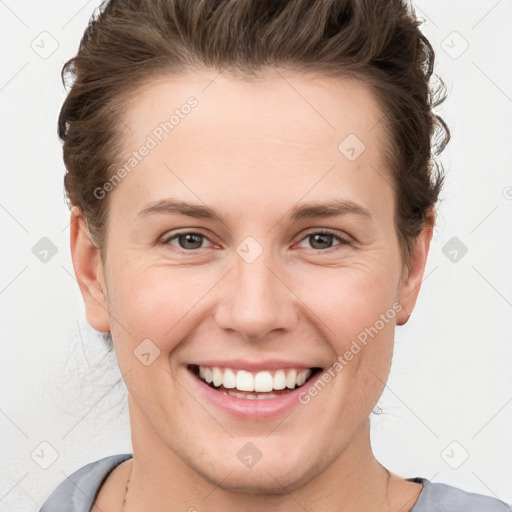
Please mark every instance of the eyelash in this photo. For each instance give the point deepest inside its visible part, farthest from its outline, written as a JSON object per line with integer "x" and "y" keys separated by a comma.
{"x": 343, "y": 241}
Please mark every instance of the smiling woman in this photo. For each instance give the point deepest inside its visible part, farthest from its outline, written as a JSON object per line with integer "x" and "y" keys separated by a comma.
{"x": 227, "y": 237}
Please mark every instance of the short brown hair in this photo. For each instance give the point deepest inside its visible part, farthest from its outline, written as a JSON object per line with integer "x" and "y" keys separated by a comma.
{"x": 129, "y": 42}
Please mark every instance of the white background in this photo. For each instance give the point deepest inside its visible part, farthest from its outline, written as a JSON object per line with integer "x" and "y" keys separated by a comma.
{"x": 449, "y": 395}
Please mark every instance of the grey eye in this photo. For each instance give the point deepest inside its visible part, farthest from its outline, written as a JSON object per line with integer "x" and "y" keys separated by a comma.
{"x": 321, "y": 240}
{"x": 187, "y": 241}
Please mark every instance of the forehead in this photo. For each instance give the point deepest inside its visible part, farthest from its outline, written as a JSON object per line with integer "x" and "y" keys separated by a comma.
{"x": 314, "y": 109}
{"x": 280, "y": 133}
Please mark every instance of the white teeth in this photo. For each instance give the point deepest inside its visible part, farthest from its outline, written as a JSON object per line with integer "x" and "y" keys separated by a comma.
{"x": 229, "y": 380}
{"x": 263, "y": 382}
{"x": 302, "y": 376}
{"x": 251, "y": 397}
{"x": 217, "y": 376}
{"x": 235, "y": 394}
{"x": 279, "y": 380}
{"x": 291, "y": 379}
{"x": 244, "y": 381}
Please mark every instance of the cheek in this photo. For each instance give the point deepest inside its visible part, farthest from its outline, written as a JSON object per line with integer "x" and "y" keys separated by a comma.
{"x": 350, "y": 301}
{"x": 156, "y": 302}
{"x": 358, "y": 309}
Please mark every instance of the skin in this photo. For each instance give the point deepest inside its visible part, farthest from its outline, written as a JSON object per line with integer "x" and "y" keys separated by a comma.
{"x": 251, "y": 152}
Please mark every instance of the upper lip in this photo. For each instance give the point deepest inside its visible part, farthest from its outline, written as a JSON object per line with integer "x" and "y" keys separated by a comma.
{"x": 254, "y": 366}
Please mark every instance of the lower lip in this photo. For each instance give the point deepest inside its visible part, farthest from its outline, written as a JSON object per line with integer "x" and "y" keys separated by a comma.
{"x": 257, "y": 409}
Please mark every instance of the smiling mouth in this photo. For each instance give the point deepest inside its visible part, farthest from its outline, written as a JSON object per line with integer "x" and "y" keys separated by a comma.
{"x": 253, "y": 385}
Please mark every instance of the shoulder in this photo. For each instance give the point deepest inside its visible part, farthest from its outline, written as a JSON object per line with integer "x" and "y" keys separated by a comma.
{"x": 78, "y": 492}
{"x": 438, "y": 497}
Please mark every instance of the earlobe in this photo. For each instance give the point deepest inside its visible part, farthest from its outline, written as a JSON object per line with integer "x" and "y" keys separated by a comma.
{"x": 403, "y": 316}
{"x": 89, "y": 272}
{"x": 411, "y": 284}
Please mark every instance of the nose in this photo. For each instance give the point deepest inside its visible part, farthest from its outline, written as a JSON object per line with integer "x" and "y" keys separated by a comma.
{"x": 256, "y": 299}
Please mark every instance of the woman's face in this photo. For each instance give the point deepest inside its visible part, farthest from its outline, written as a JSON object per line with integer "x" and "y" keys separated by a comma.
{"x": 256, "y": 288}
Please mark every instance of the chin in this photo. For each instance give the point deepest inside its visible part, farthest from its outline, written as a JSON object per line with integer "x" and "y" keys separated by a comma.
{"x": 276, "y": 475}
{"x": 269, "y": 479}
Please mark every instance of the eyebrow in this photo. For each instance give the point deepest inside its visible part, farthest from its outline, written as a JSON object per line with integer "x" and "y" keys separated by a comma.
{"x": 303, "y": 211}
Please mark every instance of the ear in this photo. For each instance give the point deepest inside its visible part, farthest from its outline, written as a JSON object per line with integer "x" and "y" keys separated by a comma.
{"x": 413, "y": 275}
{"x": 89, "y": 273}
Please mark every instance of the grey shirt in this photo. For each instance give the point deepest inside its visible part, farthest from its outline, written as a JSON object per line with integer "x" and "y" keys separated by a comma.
{"x": 78, "y": 492}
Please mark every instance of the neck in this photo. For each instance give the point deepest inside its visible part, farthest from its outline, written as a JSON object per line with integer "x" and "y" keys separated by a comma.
{"x": 354, "y": 481}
